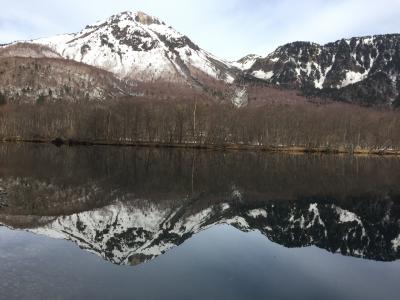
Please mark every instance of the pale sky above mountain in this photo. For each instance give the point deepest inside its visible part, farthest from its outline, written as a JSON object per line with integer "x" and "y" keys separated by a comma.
{"x": 229, "y": 29}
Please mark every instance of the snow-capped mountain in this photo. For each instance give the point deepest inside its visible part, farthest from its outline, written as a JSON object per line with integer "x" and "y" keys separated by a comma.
{"x": 365, "y": 69}
{"x": 134, "y": 46}
{"x": 137, "y": 46}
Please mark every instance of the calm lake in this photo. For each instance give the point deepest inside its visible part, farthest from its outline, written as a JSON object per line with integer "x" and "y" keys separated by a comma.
{"x": 126, "y": 223}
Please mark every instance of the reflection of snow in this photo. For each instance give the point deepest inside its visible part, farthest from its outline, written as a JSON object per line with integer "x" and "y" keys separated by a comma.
{"x": 225, "y": 206}
{"x": 347, "y": 216}
{"x": 256, "y": 213}
{"x": 396, "y": 243}
{"x": 133, "y": 229}
{"x": 138, "y": 231}
{"x": 314, "y": 209}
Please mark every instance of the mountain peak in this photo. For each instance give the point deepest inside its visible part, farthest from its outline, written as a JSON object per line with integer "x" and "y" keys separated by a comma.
{"x": 137, "y": 16}
{"x": 138, "y": 46}
{"x": 146, "y": 19}
{"x": 246, "y": 62}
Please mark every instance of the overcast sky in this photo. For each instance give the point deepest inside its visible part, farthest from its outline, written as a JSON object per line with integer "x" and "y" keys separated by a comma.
{"x": 228, "y": 28}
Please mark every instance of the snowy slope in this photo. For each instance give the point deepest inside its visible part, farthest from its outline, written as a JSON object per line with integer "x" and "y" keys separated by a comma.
{"x": 334, "y": 65}
{"x": 138, "y": 46}
{"x": 246, "y": 62}
{"x": 362, "y": 70}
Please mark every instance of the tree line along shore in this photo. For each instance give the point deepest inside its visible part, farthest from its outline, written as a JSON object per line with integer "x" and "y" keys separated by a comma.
{"x": 300, "y": 128}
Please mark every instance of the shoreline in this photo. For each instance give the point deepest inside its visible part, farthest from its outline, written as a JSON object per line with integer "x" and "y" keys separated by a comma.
{"x": 214, "y": 147}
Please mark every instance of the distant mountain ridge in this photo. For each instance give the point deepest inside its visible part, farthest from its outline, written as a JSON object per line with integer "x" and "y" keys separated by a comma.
{"x": 136, "y": 46}
{"x": 365, "y": 70}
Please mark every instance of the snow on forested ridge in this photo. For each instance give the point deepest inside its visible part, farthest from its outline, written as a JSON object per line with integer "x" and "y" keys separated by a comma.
{"x": 138, "y": 46}
{"x": 334, "y": 65}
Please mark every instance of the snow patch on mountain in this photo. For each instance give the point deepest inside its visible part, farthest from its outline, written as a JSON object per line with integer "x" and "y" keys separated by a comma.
{"x": 353, "y": 77}
{"x": 246, "y": 62}
{"x": 263, "y": 75}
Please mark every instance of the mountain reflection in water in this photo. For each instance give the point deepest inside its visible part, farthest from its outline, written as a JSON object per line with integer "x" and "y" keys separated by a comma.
{"x": 131, "y": 205}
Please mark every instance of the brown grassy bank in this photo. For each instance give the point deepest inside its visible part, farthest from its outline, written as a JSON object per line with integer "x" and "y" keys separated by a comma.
{"x": 222, "y": 147}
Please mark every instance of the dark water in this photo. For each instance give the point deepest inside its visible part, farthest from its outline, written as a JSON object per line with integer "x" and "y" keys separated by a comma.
{"x": 121, "y": 223}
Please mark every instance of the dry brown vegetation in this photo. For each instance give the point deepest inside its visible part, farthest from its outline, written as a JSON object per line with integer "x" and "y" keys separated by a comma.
{"x": 43, "y": 97}
{"x": 301, "y": 127}
{"x": 24, "y": 79}
{"x": 28, "y": 50}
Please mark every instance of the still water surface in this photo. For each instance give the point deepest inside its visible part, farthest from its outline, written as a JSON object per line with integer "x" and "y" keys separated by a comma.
{"x": 121, "y": 223}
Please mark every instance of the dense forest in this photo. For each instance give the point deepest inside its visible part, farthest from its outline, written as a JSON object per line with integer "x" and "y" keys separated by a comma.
{"x": 304, "y": 126}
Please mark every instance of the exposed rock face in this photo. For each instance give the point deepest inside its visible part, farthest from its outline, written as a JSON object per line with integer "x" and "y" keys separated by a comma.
{"x": 145, "y": 19}
{"x": 363, "y": 70}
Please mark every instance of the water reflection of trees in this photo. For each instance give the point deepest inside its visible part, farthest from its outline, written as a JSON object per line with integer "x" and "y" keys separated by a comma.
{"x": 44, "y": 184}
